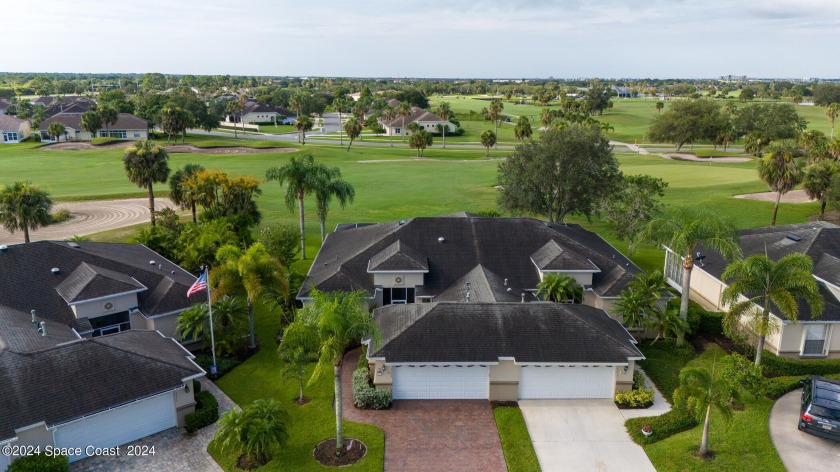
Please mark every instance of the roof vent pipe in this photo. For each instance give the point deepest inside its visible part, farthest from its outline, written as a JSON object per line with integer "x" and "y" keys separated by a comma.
{"x": 152, "y": 262}
{"x": 4, "y": 249}
{"x": 523, "y": 297}
{"x": 441, "y": 239}
{"x": 55, "y": 270}
{"x": 33, "y": 316}
{"x": 505, "y": 282}
{"x": 468, "y": 297}
{"x": 43, "y": 328}
{"x": 160, "y": 266}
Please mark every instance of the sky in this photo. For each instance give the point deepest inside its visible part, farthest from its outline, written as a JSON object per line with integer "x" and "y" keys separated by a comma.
{"x": 427, "y": 38}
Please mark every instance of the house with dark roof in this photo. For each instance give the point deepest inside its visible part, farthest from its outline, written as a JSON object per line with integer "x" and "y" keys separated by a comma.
{"x": 809, "y": 337}
{"x": 13, "y": 129}
{"x": 87, "y": 349}
{"x": 262, "y": 113}
{"x": 445, "y": 280}
{"x": 4, "y": 105}
{"x": 127, "y": 126}
{"x": 427, "y": 121}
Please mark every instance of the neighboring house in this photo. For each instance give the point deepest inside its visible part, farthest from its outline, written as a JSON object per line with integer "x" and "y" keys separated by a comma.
{"x": 622, "y": 92}
{"x": 127, "y": 127}
{"x": 14, "y": 129}
{"x": 500, "y": 351}
{"x": 261, "y": 113}
{"x": 4, "y": 105}
{"x": 809, "y": 337}
{"x": 426, "y": 119}
{"x": 84, "y": 355}
{"x": 78, "y": 105}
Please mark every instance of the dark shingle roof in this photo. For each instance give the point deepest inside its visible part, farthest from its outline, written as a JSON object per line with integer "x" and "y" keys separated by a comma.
{"x": 820, "y": 240}
{"x": 398, "y": 256}
{"x": 484, "y": 287}
{"x": 552, "y": 257}
{"x": 503, "y": 246}
{"x": 10, "y": 123}
{"x": 87, "y": 282}
{"x": 66, "y": 382}
{"x": 484, "y": 332}
{"x": 74, "y": 120}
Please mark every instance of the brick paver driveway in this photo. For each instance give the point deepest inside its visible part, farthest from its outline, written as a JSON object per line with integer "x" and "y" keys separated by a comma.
{"x": 431, "y": 435}
{"x": 175, "y": 451}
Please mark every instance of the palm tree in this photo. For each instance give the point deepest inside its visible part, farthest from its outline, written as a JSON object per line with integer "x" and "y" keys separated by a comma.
{"x": 780, "y": 169}
{"x": 522, "y": 130}
{"x": 637, "y": 303}
{"x": 388, "y": 115}
{"x": 444, "y": 112}
{"x": 91, "y": 122}
{"x": 420, "y": 140}
{"x": 24, "y": 206}
{"x": 302, "y": 177}
{"x": 353, "y": 127}
{"x": 403, "y": 111}
{"x": 817, "y": 181}
{"x": 145, "y": 164}
{"x": 660, "y": 106}
{"x": 185, "y": 196}
{"x": 546, "y": 117}
{"x": 606, "y": 128}
{"x": 706, "y": 390}
{"x": 296, "y": 102}
{"x": 331, "y": 185}
{"x": 340, "y": 104}
{"x": 488, "y": 140}
{"x": 246, "y": 273}
{"x": 495, "y": 113}
{"x": 236, "y": 107}
{"x": 56, "y": 129}
{"x": 756, "y": 282}
{"x": 257, "y": 431}
{"x": 560, "y": 288}
{"x": 333, "y": 322}
{"x": 229, "y": 326}
{"x": 832, "y": 111}
{"x": 668, "y": 324}
{"x": 682, "y": 230}
{"x": 303, "y": 124}
{"x": 109, "y": 117}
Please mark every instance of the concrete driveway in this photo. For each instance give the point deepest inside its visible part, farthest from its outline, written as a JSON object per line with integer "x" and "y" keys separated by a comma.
{"x": 799, "y": 451}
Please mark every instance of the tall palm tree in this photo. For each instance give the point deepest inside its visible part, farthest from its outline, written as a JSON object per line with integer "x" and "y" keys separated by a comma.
{"x": 301, "y": 177}
{"x": 403, "y": 111}
{"x": 637, "y": 303}
{"x": 495, "y": 113}
{"x": 353, "y": 127}
{"x": 444, "y": 112}
{"x": 56, "y": 129}
{"x": 331, "y": 185}
{"x": 560, "y": 288}
{"x": 488, "y": 140}
{"x": 757, "y": 282}
{"x": 546, "y": 117}
{"x": 296, "y": 102}
{"x": 388, "y": 115}
{"x": 340, "y": 104}
{"x": 91, "y": 122}
{"x": 24, "y": 206}
{"x": 707, "y": 390}
{"x": 303, "y": 124}
{"x": 145, "y": 164}
{"x": 832, "y": 111}
{"x": 185, "y": 196}
{"x": 780, "y": 169}
{"x": 246, "y": 273}
{"x": 109, "y": 117}
{"x": 332, "y": 322}
{"x": 683, "y": 229}
{"x": 257, "y": 431}
{"x": 660, "y": 106}
{"x": 233, "y": 108}
{"x": 817, "y": 181}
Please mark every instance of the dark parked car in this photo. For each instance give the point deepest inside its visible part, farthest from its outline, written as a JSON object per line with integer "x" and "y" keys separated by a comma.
{"x": 820, "y": 411}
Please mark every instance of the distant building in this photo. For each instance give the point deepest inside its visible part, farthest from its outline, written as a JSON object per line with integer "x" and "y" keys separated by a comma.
{"x": 622, "y": 92}
{"x": 127, "y": 126}
{"x": 261, "y": 113}
{"x": 13, "y": 129}
{"x": 733, "y": 78}
{"x": 426, "y": 119}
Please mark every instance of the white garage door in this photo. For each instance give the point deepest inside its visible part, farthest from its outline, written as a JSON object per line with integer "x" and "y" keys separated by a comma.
{"x": 119, "y": 426}
{"x": 566, "y": 382}
{"x": 432, "y": 383}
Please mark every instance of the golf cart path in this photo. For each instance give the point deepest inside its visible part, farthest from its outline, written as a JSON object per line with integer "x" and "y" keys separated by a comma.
{"x": 677, "y": 155}
{"x": 91, "y": 217}
{"x": 799, "y": 451}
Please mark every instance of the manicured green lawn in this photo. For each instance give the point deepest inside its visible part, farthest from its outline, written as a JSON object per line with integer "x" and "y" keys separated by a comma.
{"x": 744, "y": 444}
{"x": 259, "y": 377}
{"x": 278, "y": 129}
{"x": 716, "y": 153}
{"x": 516, "y": 442}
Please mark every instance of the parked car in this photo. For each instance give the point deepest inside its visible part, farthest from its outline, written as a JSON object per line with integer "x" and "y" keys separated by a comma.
{"x": 820, "y": 410}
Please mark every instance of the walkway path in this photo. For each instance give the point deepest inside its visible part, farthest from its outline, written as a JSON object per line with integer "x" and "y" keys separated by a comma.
{"x": 800, "y": 452}
{"x": 175, "y": 450}
{"x": 91, "y": 217}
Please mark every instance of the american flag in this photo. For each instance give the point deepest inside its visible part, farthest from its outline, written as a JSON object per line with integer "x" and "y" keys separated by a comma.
{"x": 199, "y": 285}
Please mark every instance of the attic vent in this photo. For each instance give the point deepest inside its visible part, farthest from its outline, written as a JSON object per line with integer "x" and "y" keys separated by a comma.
{"x": 402, "y": 222}
{"x": 441, "y": 239}
{"x": 4, "y": 249}
{"x": 73, "y": 244}
{"x": 55, "y": 270}
{"x": 152, "y": 262}
{"x": 793, "y": 237}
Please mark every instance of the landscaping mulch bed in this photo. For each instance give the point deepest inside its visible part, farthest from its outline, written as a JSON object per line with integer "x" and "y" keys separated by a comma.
{"x": 301, "y": 401}
{"x": 498, "y": 404}
{"x": 246, "y": 463}
{"x": 325, "y": 452}
{"x": 628, "y": 407}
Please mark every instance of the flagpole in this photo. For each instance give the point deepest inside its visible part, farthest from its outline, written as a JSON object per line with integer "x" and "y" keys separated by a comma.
{"x": 210, "y": 310}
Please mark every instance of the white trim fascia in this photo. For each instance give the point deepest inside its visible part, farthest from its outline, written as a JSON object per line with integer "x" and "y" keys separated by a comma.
{"x": 573, "y": 364}
{"x": 507, "y": 359}
{"x": 827, "y": 282}
{"x": 33, "y": 425}
{"x": 397, "y": 271}
{"x": 58, "y": 425}
{"x": 441, "y": 364}
{"x": 10, "y": 440}
{"x": 91, "y": 300}
{"x": 169, "y": 313}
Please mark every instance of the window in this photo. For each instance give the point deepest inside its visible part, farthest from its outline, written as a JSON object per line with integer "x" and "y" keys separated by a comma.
{"x": 110, "y": 324}
{"x": 674, "y": 267}
{"x": 814, "y": 342}
{"x": 136, "y": 134}
{"x": 115, "y": 133}
{"x": 396, "y": 131}
{"x": 397, "y": 296}
{"x": 10, "y": 136}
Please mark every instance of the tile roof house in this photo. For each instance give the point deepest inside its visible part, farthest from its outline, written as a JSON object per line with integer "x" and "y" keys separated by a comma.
{"x": 426, "y": 119}
{"x": 463, "y": 288}
{"x": 86, "y": 353}
{"x": 809, "y": 337}
{"x": 127, "y": 126}
{"x": 13, "y": 129}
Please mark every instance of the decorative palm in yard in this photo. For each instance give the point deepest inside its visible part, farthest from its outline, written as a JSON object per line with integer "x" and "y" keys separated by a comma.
{"x": 229, "y": 315}
{"x": 331, "y": 185}
{"x": 444, "y": 112}
{"x": 757, "y": 282}
{"x": 488, "y": 140}
{"x": 303, "y": 124}
{"x": 56, "y": 130}
{"x": 560, "y": 288}
{"x": 24, "y": 206}
{"x": 185, "y": 196}
{"x": 637, "y": 303}
{"x": 704, "y": 390}
{"x": 683, "y": 229}
{"x": 781, "y": 169}
{"x": 331, "y": 324}
{"x": 817, "y": 181}
{"x": 257, "y": 431}
{"x": 353, "y": 127}
{"x": 146, "y": 164}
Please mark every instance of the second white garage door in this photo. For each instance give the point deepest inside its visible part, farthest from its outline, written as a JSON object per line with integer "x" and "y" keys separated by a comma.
{"x": 566, "y": 382}
{"x": 438, "y": 383}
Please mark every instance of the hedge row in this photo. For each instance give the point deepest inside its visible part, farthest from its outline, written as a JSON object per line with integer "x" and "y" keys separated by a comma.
{"x": 776, "y": 366}
{"x": 206, "y": 412}
{"x": 103, "y": 141}
{"x": 366, "y": 397}
{"x": 223, "y": 364}
{"x": 778, "y": 386}
{"x": 636, "y": 398}
{"x": 662, "y": 426}
{"x": 40, "y": 463}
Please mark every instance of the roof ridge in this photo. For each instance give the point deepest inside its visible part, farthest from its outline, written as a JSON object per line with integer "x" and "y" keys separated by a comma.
{"x": 137, "y": 354}
{"x": 612, "y": 338}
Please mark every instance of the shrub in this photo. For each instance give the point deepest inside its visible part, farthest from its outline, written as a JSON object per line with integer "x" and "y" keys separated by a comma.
{"x": 206, "y": 412}
{"x": 740, "y": 371}
{"x": 662, "y": 426}
{"x": 638, "y": 380}
{"x": 778, "y": 386}
{"x": 366, "y": 397}
{"x": 636, "y": 398}
{"x": 223, "y": 364}
{"x": 711, "y": 322}
{"x": 776, "y": 366}
{"x": 104, "y": 141}
{"x": 363, "y": 361}
{"x": 663, "y": 363}
{"x": 196, "y": 385}
{"x": 40, "y": 463}
{"x": 60, "y": 216}
{"x": 489, "y": 213}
